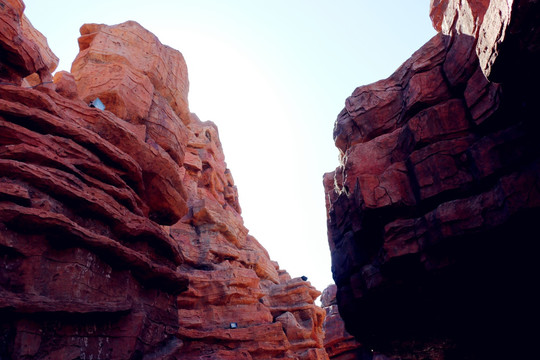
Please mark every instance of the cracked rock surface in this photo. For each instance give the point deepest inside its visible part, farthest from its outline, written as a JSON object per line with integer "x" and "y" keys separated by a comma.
{"x": 432, "y": 211}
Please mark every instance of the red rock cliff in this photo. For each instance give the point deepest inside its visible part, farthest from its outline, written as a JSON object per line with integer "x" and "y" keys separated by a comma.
{"x": 120, "y": 230}
{"x": 339, "y": 344}
{"x": 432, "y": 212}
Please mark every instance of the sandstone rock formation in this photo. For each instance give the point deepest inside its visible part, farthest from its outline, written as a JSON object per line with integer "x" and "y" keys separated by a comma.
{"x": 24, "y": 50}
{"x": 339, "y": 344}
{"x": 432, "y": 212}
{"x": 50, "y": 59}
{"x": 231, "y": 276}
{"x": 120, "y": 230}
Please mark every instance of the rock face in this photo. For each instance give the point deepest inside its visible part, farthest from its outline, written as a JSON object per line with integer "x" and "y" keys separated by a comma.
{"x": 24, "y": 50}
{"x": 339, "y": 344}
{"x": 231, "y": 277}
{"x": 120, "y": 230}
{"x": 135, "y": 72}
{"x": 432, "y": 212}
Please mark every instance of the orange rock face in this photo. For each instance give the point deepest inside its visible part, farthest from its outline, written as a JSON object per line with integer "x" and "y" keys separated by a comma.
{"x": 435, "y": 202}
{"x": 120, "y": 229}
{"x": 133, "y": 66}
{"x": 49, "y": 58}
{"x": 138, "y": 79}
{"x": 231, "y": 276}
{"x": 24, "y": 50}
{"x": 84, "y": 255}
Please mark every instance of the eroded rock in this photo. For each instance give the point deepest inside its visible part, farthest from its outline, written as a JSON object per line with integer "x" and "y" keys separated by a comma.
{"x": 435, "y": 200}
{"x": 339, "y": 344}
{"x": 120, "y": 229}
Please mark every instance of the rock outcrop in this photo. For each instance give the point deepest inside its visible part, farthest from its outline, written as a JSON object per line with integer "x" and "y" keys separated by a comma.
{"x": 432, "y": 212}
{"x": 25, "y": 52}
{"x": 120, "y": 229}
{"x": 339, "y": 344}
{"x": 232, "y": 279}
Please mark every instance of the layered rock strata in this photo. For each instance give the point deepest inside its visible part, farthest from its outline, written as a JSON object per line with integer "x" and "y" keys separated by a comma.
{"x": 120, "y": 230}
{"x": 88, "y": 268}
{"x": 339, "y": 344}
{"x": 432, "y": 212}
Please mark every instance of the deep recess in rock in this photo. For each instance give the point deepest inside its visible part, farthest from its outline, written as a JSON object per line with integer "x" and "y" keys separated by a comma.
{"x": 432, "y": 214}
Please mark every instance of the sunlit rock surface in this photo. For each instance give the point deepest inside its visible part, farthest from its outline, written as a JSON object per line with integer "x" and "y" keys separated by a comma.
{"x": 24, "y": 50}
{"x": 120, "y": 229}
{"x": 432, "y": 212}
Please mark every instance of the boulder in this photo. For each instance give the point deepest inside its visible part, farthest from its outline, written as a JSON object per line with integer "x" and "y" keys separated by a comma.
{"x": 132, "y": 64}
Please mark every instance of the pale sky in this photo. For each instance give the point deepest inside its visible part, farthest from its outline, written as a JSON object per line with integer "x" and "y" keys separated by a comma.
{"x": 273, "y": 75}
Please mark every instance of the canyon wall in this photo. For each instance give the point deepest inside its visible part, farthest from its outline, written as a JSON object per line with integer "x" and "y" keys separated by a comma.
{"x": 432, "y": 211}
{"x": 121, "y": 234}
{"x": 339, "y": 344}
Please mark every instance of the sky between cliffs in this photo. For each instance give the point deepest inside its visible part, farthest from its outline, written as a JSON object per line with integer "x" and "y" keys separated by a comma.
{"x": 273, "y": 75}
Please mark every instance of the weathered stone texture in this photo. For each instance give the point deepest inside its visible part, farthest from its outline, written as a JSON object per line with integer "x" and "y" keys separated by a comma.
{"x": 339, "y": 344}
{"x": 120, "y": 230}
{"x": 87, "y": 270}
{"x": 434, "y": 205}
{"x": 23, "y": 49}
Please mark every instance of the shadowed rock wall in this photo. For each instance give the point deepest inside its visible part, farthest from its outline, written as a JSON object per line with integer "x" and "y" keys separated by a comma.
{"x": 339, "y": 344}
{"x": 433, "y": 209}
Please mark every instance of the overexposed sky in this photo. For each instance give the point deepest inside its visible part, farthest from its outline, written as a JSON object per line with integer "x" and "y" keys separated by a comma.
{"x": 273, "y": 75}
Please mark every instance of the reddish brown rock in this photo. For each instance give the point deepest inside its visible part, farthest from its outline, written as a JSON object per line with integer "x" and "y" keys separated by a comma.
{"x": 502, "y": 32}
{"x": 434, "y": 204}
{"x": 65, "y": 85}
{"x": 140, "y": 80}
{"x": 132, "y": 64}
{"x": 21, "y": 56}
{"x": 462, "y": 17}
{"x": 270, "y": 320}
{"x": 339, "y": 344}
{"x": 88, "y": 270}
{"x": 49, "y": 58}
{"x": 377, "y": 108}
{"x": 120, "y": 229}
{"x": 235, "y": 281}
